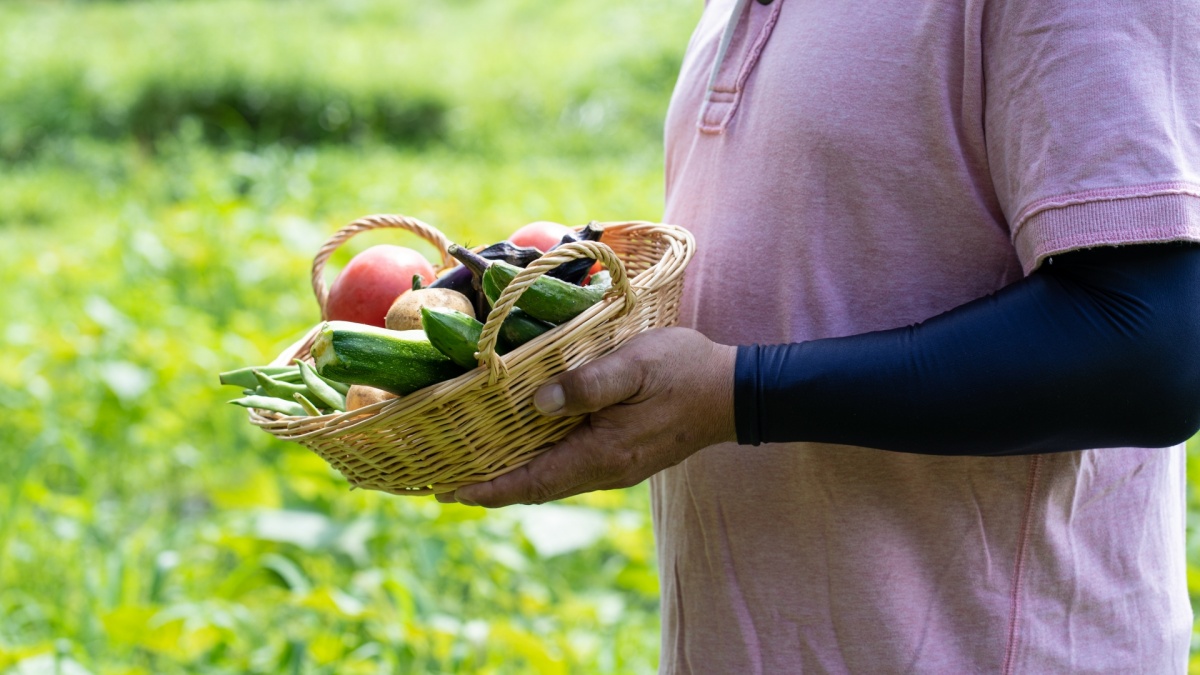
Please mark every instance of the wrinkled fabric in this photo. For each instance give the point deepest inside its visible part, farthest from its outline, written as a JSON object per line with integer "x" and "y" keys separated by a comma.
{"x": 958, "y": 384}
{"x": 855, "y": 166}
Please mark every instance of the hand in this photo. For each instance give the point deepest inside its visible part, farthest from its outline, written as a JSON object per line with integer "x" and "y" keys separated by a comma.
{"x": 659, "y": 398}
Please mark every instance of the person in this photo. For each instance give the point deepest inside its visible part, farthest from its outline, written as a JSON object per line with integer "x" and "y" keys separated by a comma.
{"x": 939, "y": 358}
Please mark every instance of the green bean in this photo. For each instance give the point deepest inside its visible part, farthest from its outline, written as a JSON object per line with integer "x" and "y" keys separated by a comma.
{"x": 320, "y": 389}
{"x": 279, "y": 389}
{"x": 271, "y": 403}
{"x": 306, "y": 404}
{"x": 340, "y": 387}
{"x": 244, "y": 377}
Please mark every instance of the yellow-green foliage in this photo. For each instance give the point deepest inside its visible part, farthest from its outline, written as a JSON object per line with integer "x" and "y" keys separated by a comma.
{"x": 479, "y": 75}
{"x": 151, "y": 238}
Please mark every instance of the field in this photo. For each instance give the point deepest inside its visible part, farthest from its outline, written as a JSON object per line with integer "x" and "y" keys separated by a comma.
{"x": 167, "y": 171}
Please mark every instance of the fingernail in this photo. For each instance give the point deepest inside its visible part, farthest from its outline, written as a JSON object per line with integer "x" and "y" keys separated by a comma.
{"x": 465, "y": 502}
{"x": 549, "y": 399}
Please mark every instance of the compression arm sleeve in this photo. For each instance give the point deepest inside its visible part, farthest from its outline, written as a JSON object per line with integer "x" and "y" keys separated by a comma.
{"x": 1098, "y": 348}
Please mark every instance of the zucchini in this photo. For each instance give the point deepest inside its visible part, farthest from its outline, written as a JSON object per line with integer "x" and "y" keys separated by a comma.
{"x": 548, "y": 299}
{"x": 400, "y": 362}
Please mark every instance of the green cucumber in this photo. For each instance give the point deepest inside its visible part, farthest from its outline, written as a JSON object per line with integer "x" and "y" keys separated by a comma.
{"x": 457, "y": 335}
{"x": 519, "y": 328}
{"x": 400, "y": 362}
{"x": 548, "y": 299}
{"x": 452, "y": 333}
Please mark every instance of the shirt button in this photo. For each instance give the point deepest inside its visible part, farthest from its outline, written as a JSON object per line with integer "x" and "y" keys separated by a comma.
{"x": 764, "y": 2}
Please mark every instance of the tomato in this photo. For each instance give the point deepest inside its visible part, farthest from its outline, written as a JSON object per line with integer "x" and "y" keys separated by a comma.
{"x": 370, "y": 282}
{"x": 542, "y": 235}
{"x": 545, "y": 235}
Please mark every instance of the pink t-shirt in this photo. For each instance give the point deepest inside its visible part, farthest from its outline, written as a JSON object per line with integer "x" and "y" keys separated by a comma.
{"x": 855, "y": 166}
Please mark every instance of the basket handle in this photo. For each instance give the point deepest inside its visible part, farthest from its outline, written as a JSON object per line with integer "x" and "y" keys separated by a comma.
{"x": 427, "y": 232}
{"x": 595, "y": 250}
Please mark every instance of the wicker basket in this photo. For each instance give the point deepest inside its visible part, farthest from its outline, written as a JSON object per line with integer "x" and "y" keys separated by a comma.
{"x": 483, "y": 424}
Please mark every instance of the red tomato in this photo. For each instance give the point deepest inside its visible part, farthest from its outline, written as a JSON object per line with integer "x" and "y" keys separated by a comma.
{"x": 542, "y": 235}
{"x": 545, "y": 235}
{"x": 366, "y": 288}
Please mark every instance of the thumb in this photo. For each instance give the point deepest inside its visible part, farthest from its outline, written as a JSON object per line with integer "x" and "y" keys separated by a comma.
{"x": 593, "y": 386}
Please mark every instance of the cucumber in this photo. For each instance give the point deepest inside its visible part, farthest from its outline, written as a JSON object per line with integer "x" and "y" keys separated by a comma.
{"x": 399, "y": 362}
{"x": 457, "y": 335}
{"x": 548, "y": 299}
{"x": 452, "y": 333}
{"x": 519, "y": 328}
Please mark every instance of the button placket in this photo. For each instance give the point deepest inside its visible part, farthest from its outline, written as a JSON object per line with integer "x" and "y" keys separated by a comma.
{"x": 750, "y": 25}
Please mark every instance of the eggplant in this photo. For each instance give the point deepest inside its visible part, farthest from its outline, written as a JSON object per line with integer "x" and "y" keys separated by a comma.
{"x": 469, "y": 277}
{"x": 463, "y": 280}
{"x": 510, "y": 253}
{"x": 474, "y": 263}
{"x": 575, "y": 271}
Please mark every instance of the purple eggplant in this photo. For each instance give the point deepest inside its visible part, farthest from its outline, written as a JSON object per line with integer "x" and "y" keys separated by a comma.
{"x": 575, "y": 271}
{"x": 462, "y": 280}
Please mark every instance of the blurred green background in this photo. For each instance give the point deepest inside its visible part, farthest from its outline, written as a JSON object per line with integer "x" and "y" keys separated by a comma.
{"x": 167, "y": 171}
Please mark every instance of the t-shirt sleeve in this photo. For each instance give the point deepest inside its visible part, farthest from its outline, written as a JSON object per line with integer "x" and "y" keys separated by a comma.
{"x": 1092, "y": 120}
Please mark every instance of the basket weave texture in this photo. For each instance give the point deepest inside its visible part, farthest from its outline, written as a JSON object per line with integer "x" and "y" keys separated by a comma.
{"x": 482, "y": 424}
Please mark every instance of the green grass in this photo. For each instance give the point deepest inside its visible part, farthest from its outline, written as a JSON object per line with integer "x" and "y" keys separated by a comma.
{"x": 482, "y": 76}
{"x": 133, "y": 534}
{"x": 156, "y": 232}
{"x": 167, "y": 171}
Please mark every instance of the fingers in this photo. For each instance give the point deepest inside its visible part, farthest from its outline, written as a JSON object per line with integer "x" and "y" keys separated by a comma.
{"x": 581, "y": 459}
{"x": 594, "y": 386}
{"x": 563, "y": 469}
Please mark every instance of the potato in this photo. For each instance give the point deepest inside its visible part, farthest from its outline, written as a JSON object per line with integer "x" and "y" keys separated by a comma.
{"x": 405, "y": 313}
{"x": 361, "y": 395}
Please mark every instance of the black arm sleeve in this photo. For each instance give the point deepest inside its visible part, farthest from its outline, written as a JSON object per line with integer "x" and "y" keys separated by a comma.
{"x": 1098, "y": 348}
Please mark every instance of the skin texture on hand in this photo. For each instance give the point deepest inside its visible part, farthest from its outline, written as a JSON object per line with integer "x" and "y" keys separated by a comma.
{"x": 652, "y": 403}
